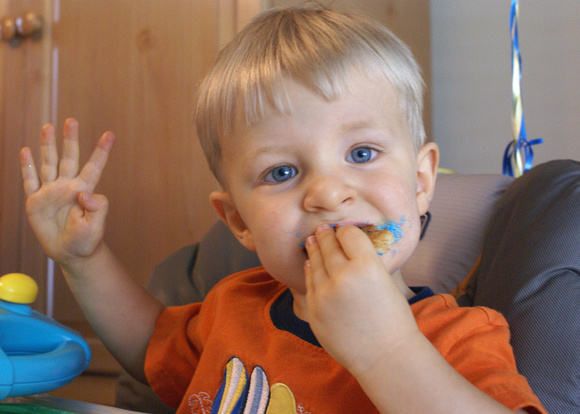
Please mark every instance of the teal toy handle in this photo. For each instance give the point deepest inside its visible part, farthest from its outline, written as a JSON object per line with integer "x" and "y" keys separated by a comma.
{"x": 38, "y": 373}
{"x": 37, "y": 354}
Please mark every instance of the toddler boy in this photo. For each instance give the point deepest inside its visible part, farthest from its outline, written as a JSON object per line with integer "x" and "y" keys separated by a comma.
{"x": 311, "y": 122}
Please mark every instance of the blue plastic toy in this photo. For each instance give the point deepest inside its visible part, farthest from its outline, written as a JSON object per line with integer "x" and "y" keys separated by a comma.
{"x": 37, "y": 354}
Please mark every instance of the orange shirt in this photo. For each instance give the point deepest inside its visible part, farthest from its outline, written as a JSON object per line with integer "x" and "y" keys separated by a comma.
{"x": 229, "y": 351}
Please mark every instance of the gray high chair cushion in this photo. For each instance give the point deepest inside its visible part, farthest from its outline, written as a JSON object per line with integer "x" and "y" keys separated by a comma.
{"x": 460, "y": 209}
{"x": 530, "y": 272}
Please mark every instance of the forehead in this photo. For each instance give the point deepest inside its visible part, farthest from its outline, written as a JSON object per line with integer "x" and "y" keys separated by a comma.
{"x": 362, "y": 100}
{"x": 365, "y": 104}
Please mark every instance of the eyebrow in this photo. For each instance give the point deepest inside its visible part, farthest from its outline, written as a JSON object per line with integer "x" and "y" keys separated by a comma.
{"x": 269, "y": 150}
{"x": 356, "y": 125}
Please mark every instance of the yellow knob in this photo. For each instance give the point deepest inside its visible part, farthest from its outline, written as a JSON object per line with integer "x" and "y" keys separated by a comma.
{"x": 18, "y": 288}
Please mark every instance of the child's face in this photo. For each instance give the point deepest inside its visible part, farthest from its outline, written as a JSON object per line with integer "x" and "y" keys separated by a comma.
{"x": 346, "y": 161}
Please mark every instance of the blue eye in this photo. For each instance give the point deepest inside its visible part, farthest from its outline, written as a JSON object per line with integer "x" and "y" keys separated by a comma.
{"x": 361, "y": 155}
{"x": 280, "y": 174}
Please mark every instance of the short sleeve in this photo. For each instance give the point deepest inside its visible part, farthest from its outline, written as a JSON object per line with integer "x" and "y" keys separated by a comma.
{"x": 475, "y": 341}
{"x": 173, "y": 352}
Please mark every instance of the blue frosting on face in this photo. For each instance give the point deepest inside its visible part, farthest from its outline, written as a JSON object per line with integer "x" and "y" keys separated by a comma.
{"x": 394, "y": 228}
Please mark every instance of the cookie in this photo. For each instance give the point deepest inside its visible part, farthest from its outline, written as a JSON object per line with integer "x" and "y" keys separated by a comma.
{"x": 382, "y": 238}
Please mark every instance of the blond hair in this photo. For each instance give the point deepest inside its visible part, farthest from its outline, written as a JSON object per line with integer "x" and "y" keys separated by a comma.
{"x": 315, "y": 46}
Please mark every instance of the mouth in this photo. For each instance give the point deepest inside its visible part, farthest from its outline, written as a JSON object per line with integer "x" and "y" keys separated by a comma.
{"x": 382, "y": 236}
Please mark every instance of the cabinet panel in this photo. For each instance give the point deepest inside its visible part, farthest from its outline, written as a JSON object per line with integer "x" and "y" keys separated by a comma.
{"x": 24, "y": 91}
{"x": 132, "y": 67}
{"x": 123, "y": 65}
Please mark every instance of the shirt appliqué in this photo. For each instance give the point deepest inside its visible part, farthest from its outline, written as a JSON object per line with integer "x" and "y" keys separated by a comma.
{"x": 200, "y": 403}
{"x": 238, "y": 395}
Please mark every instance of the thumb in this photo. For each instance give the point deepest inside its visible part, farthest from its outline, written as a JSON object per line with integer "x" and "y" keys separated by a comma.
{"x": 95, "y": 206}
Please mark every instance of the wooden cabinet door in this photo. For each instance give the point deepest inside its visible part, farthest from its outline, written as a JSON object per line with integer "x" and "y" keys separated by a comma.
{"x": 129, "y": 66}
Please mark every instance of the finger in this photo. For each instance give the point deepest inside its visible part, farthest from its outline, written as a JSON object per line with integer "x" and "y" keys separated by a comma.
{"x": 313, "y": 251}
{"x": 93, "y": 203}
{"x": 330, "y": 248}
{"x": 310, "y": 285}
{"x": 314, "y": 270}
{"x": 69, "y": 162}
{"x": 29, "y": 174}
{"x": 94, "y": 209}
{"x": 48, "y": 154}
{"x": 93, "y": 169}
{"x": 354, "y": 242}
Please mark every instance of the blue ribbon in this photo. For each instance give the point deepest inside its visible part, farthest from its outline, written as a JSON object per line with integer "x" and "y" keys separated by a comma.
{"x": 520, "y": 146}
{"x": 524, "y": 146}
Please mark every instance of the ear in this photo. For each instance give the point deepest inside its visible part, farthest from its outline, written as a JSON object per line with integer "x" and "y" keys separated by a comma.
{"x": 225, "y": 207}
{"x": 427, "y": 164}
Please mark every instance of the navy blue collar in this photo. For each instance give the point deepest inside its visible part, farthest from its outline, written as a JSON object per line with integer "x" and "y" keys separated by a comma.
{"x": 421, "y": 292}
{"x": 284, "y": 318}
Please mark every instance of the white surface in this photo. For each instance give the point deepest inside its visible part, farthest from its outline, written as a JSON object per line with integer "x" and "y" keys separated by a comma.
{"x": 471, "y": 75}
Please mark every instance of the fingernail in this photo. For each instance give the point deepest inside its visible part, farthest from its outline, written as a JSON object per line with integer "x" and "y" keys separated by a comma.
{"x": 310, "y": 240}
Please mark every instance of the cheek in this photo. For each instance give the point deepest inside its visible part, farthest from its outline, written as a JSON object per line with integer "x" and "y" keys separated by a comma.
{"x": 271, "y": 232}
{"x": 276, "y": 238}
{"x": 270, "y": 219}
{"x": 411, "y": 229}
{"x": 404, "y": 248}
{"x": 401, "y": 208}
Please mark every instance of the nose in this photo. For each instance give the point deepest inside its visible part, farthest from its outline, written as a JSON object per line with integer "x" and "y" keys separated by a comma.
{"x": 327, "y": 192}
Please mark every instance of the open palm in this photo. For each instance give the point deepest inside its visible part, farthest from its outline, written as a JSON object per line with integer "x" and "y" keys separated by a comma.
{"x": 66, "y": 217}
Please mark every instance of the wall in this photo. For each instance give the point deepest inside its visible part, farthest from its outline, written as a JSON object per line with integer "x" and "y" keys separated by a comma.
{"x": 471, "y": 77}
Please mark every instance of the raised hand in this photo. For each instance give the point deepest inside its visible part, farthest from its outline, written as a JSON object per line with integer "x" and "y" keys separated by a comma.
{"x": 66, "y": 217}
